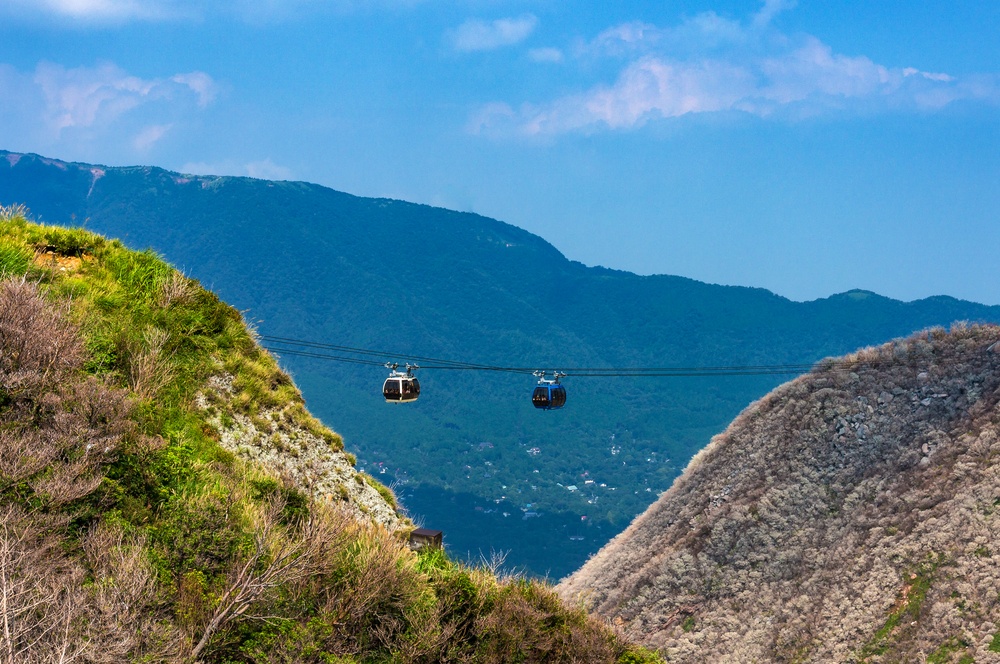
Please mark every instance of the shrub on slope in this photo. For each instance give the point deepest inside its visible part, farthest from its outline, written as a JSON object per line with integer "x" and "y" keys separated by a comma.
{"x": 129, "y": 532}
{"x": 853, "y": 514}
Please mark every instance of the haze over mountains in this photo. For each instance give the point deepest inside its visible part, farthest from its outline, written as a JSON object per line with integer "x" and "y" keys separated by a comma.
{"x": 851, "y": 515}
{"x": 311, "y": 263}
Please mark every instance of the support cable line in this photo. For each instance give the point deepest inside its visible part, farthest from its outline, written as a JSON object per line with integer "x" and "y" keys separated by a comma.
{"x": 311, "y": 349}
{"x": 549, "y": 393}
{"x": 437, "y": 363}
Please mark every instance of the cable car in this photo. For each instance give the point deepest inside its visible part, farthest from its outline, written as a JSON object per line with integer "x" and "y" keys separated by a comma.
{"x": 548, "y": 394}
{"x": 401, "y": 387}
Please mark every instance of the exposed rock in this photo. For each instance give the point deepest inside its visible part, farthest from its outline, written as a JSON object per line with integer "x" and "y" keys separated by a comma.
{"x": 275, "y": 441}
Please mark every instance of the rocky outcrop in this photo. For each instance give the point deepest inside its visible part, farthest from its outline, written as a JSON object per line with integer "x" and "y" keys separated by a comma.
{"x": 851, "y": 515}
{"x": 276, "y": 441}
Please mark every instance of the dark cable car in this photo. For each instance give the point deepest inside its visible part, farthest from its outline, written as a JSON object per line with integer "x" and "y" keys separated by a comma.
{"x": 401, "y": 387}
{"x": 548, "y": 394}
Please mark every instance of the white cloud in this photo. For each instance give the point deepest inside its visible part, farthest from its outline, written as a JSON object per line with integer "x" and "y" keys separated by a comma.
{"x": 255, "y": 12}
{"x": 268, "y": 170}
{"x": 71, "y": 109}
{"x": 547, "y": 54}
{"x": 771, "y": 9}
{"x": 491, "y": 118}
{"x": 150, "y": 136}
{"x": 105, "y": 10}
{"x": 712, "y": 64}
{"x": 89, "y": 96}
{"x": 200, "y": 83}
{"x": 476, "y": 35}
{"x": 263, "y": 169}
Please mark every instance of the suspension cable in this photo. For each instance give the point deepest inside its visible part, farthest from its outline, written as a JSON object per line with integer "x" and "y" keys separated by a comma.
{"x": 312, "y": 349}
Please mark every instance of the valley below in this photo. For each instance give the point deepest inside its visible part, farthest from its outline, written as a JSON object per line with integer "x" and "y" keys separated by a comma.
{"x": 308, "y": 263}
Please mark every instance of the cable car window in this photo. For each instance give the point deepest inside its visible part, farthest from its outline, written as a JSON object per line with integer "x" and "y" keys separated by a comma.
{"x": 558, "y": 397}
{"x": 540, "y": 397}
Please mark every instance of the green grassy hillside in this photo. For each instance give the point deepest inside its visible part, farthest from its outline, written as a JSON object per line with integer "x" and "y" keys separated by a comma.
{"x": 308, "y": 262}
{"x": 166, "y": 496}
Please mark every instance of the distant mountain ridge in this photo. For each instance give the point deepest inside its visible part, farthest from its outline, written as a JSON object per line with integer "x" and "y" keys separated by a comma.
{"x": 851, "y": 515}
{"x": 308, "y": 262}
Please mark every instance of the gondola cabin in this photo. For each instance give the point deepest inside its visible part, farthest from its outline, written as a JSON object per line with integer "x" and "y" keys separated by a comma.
{"x": 548, "y": 394}
{"x": 401, "y": 387}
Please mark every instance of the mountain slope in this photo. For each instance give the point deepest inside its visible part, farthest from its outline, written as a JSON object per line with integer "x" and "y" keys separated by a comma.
{"x": 166, "y": 497}
{"x": 307, "y": 262}
{"x": 850, "y": 515}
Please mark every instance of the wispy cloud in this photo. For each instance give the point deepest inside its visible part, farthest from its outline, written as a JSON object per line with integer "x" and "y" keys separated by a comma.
{"x": 150, "y": 136}
{"x": 264, "y": 169}
{"x": 82, "y": 13}
{"x": 712, "y": 64}
{"x": 58, "y": 107}
{"x": 105, "y": 10}
{"x": 200, "y": 83}
{"x": 771, "y": 9}
{"x": 546, "y": 54}
{"x": 477, "y": 35}
{"x": 91, "y": 96}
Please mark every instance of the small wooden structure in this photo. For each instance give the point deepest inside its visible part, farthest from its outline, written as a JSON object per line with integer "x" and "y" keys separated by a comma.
{"x": 424, "y": 537}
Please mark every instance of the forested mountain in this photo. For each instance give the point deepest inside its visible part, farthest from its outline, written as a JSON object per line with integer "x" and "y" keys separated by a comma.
{"x": 472, "y": 456}
{"x": 851, "y": 515}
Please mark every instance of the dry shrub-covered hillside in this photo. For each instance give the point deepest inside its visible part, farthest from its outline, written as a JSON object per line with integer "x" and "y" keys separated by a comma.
{"x": 852, "y": 515}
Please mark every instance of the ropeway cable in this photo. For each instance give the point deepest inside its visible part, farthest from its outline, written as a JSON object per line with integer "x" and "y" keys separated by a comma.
{"x": 310, "y": 349}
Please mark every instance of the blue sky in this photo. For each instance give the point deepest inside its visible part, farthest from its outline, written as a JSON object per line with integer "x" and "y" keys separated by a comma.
{"x": 807, "y": 147}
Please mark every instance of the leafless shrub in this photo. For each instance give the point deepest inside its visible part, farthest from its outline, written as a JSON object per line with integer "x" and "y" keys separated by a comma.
{"x": 36, "y": 340}
{"x": 59, "y": 427}
{"x": 278, "y": 558}
{"x": 124, "y": 617}
{"x": 494, "y": 564}
{"x": 68, "y": 482}
{"x": 176, "y": 290}
{"x": 147, "y": 363}
{"x": 47, "y": 613}
{"x": 23, "y": 454}
{"x": 41, "y": 607}
{"x": 804, "y": 528}
{"x": 68, "y": 437}
{"x": 369, "y": 591}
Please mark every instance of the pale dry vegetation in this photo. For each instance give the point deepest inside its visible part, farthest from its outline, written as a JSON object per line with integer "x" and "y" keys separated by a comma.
{"x": 852, "y": 515}
{"x": 60, "y": 429}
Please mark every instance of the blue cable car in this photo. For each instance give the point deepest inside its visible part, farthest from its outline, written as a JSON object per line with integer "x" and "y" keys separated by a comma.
{"x": 548, "y": 394}
{"x": 401, "y": 387}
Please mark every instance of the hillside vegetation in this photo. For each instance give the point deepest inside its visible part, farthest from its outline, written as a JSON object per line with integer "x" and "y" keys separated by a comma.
{"x": 307, "y": 262}
{"x": 166, "y": 497}
{"x": 851, "y": 515}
